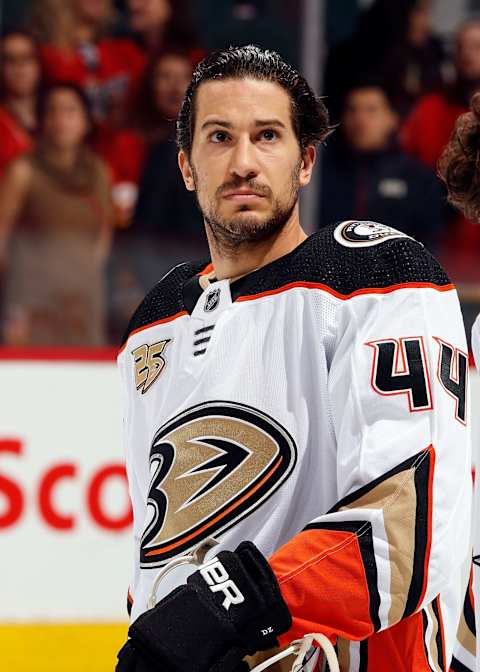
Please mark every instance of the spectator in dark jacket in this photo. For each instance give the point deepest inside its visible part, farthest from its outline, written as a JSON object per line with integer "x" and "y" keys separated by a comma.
{"x": 367, "y": 176}
{"x": 164, "y": 209}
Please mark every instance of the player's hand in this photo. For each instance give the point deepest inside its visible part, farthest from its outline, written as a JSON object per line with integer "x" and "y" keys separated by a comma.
{"x": 230, "y": 608}
{"x": 129, "y": 660}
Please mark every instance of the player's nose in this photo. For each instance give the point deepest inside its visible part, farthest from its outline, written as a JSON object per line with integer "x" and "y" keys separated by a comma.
{"x": 243, "y": 160}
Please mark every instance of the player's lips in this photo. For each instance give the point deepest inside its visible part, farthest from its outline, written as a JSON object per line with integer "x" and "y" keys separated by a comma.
{"x": 242, "y": 194}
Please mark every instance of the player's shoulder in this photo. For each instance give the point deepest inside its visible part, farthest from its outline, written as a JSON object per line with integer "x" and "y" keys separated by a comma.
{"x": 355, "y": 255}
{"x": 165, "y": 299}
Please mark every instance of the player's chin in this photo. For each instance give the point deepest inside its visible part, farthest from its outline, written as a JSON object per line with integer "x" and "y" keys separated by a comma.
{"x": 249, "y": 219}
{"x": 254, "y": 213}
{"x": 258, "y": 210}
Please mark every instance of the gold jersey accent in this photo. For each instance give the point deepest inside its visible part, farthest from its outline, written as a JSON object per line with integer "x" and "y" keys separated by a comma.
{"x": 149, "y": 364}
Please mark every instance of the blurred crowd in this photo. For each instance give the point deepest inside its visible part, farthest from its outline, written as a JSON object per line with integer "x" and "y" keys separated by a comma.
{"x": 92, "y": 207}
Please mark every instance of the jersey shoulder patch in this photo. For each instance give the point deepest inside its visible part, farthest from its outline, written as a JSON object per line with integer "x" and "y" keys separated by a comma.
{"x": 375, "y": 255}
{"x": 358, "y": 233}
{"x": 165, "y": 299}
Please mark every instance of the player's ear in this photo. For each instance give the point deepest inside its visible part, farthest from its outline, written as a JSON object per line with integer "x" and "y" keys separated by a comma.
{"x": 308, "y": 161}
{"x": 186, "y": 170}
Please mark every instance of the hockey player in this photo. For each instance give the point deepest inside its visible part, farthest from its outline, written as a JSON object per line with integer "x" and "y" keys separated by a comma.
{"x": 302, "y": 400}
{"x": 460, "y": 170}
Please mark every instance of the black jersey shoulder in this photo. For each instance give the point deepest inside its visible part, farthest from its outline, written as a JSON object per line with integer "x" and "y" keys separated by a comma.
{"x": 165, "y": 299}
{"x": 346, "y": 268}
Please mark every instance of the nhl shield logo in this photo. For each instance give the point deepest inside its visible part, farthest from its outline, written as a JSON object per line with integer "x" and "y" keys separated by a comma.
{"x": 212, "y": 300}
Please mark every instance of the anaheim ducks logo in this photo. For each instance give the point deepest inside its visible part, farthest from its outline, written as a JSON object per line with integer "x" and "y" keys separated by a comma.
{"x": 211, "y": 466}
{"x": 149, "y": 363}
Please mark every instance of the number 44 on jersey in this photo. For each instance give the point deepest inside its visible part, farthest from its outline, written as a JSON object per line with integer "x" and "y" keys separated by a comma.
{"x": 400, "y": 366}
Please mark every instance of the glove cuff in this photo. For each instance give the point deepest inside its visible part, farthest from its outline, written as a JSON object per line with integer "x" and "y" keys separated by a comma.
{"x": 245, "y": 590}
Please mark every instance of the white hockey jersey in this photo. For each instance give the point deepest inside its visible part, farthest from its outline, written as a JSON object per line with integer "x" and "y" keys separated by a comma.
{"x": 318, "y": 407}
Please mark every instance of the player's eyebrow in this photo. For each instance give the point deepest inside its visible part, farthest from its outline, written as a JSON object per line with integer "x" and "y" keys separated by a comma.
{"x": 217, "y": 122}
{"x": 258, "y": 123}
{"x": 270, "y": 122}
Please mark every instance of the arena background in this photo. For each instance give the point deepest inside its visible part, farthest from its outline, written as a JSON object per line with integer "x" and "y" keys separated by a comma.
{"x": 65, "y": 516}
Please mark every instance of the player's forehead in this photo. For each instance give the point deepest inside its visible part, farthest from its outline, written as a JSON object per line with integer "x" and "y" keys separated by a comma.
{"x": 242, "y": 102}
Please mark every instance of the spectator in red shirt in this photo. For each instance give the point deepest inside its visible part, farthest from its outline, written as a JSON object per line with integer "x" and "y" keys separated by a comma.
{"x": 77, "y": 48}
{"x": 428, "y": 129}
{"x": 19, "y": 84}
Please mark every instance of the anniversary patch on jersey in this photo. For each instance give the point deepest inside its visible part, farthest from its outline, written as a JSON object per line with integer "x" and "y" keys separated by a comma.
{"x": 354, "y": 233}
{"x": 211, "y": 466}
{"x": 149, "y": 363}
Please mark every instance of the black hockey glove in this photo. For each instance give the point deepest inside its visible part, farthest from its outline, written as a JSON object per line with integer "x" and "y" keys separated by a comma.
{"x": 231, "y": 607}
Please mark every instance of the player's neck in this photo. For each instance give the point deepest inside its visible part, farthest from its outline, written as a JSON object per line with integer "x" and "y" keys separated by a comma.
{"x": 250, "y": 258}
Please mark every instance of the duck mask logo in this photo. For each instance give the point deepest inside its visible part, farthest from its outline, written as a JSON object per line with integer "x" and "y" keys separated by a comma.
{"x": 211, "y": 466}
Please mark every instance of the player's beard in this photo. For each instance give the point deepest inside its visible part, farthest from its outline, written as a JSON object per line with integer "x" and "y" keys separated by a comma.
{"x": 230, "y": 235}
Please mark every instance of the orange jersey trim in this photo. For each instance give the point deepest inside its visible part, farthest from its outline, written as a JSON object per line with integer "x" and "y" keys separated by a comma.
{"x": 400, "y": 648}
{"x": 470, "y": 589}
{"x": 152, "y": 324}
{"x": 208, "y": 269}
{"x": 340, "y": 581}
{"x": 357, "y": 292}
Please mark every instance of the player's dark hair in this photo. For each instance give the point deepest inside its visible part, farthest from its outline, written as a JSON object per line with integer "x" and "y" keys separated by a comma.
{"x": 309, "y": 114}
{"x": 459, "y": 165}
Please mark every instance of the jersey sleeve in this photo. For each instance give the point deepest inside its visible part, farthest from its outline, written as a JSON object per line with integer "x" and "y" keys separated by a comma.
{"x": 400, "y": 528}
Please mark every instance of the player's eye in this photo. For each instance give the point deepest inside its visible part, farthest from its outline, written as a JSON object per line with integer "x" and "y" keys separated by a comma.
{"x": 269, "y": 135}
{"x": 218, "y": 136}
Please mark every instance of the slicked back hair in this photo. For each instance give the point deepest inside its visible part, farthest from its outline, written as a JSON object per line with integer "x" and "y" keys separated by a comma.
{"x": 309, "y": 114}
